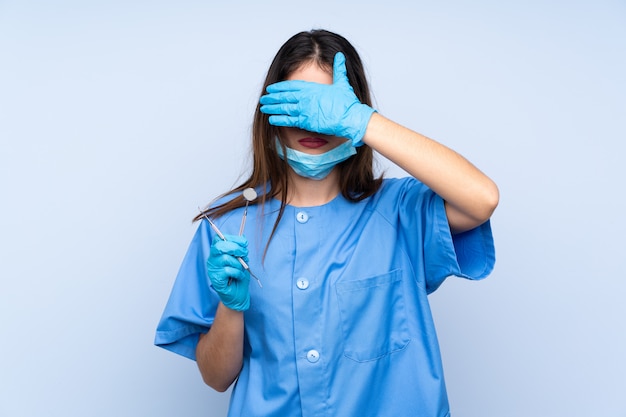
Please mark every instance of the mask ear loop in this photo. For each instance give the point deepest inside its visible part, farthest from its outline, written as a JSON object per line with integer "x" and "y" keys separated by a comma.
{"x": 280, "y": 147}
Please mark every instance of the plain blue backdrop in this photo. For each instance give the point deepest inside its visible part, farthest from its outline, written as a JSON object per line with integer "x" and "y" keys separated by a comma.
{"x": 119, "y": 118}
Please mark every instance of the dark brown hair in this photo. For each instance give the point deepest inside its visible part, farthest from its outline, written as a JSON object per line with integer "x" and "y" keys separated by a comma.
{"x": 269, "y": 171}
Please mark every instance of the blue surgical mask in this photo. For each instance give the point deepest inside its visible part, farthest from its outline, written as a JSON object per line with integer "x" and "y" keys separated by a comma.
{"x": 316, "y": 167}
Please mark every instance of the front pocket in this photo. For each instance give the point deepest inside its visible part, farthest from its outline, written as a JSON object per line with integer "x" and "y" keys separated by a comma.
{"x": 373, "y": 316}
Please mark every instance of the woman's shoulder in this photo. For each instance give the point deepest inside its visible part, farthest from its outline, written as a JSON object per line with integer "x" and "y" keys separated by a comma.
{"x": 237, "y": 193}
{"x": 395, "y": 187}
{"x": 398, "y": 194}
{"x": 222, "y": 199}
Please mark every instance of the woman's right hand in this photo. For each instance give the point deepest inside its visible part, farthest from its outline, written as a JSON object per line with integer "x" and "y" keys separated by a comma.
{"x": 226, "y": 274}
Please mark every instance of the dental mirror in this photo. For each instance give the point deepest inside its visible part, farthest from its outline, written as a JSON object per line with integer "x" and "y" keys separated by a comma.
{"x": 249, "y": 194}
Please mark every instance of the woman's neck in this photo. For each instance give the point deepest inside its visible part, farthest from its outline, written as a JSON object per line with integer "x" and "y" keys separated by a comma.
{"x": 305, "y": 192}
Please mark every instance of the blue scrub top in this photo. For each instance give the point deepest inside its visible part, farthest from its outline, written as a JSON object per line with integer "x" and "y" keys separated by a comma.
{"x": 342, "y": 324}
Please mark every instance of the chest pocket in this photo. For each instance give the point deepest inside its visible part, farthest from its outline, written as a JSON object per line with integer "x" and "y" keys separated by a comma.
{"x": 373, "y": 316}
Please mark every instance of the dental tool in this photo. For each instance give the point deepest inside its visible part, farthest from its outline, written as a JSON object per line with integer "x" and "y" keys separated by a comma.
{"x": 249, "y": 194}
{"x": 221, "y": 236}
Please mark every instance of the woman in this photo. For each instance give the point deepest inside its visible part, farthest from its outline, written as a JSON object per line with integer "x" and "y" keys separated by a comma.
{"x": 341, "y": 325}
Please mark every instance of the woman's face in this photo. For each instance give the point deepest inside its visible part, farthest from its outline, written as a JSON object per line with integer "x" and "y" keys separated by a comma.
{"x": 302, "y": 140}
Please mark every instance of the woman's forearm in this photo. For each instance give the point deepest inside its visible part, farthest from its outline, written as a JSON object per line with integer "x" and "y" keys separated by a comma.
{"x": 470, "y": 196}
{"x": 219, "y": 353}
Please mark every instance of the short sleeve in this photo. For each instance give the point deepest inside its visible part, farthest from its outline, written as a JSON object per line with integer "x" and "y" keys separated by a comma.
{"x": 470, "y": 254}
{"x": 435, "y": 252}
{"x": 191, "y": 307}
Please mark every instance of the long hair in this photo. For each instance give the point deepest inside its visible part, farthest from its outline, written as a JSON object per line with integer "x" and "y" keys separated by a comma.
{"x": 269, "y": 171}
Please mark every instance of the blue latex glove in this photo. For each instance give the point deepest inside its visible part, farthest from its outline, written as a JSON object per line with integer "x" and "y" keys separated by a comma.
{"x": 223, "y": 265}
{"x": 331, "y": 109}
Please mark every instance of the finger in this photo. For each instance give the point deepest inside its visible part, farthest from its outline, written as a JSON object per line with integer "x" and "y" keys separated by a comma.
{"x": 284, "y": 121}
{"x": 227, "y": 247}
{"x": 340, "y": 73}
{"x": 238, "y": 239}
{"x": 289, "y": 109}
{"x": 290, "y": 85}
{"x": 232, "y": 261}
{"x": 237, "y": 274}
{"x": 280, "y": 97}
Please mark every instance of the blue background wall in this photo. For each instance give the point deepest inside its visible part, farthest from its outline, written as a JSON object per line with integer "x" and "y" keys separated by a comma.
{"x": 119, "y": 118}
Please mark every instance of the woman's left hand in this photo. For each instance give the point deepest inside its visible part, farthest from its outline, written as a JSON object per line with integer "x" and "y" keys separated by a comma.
{"x": 331, "y": 109}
